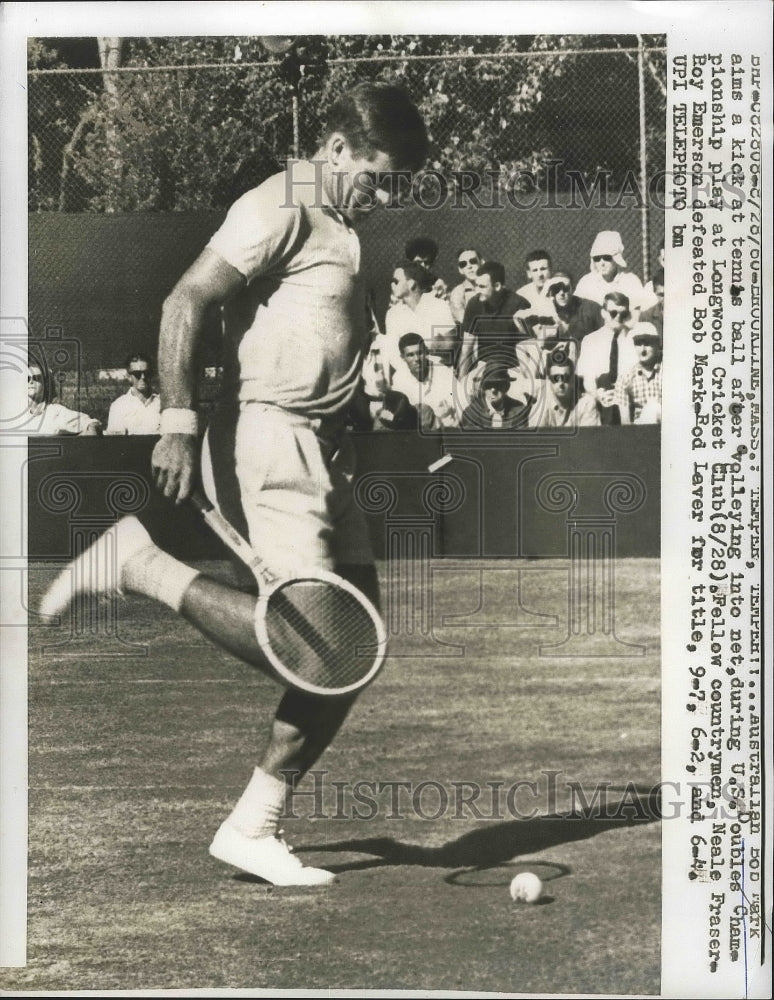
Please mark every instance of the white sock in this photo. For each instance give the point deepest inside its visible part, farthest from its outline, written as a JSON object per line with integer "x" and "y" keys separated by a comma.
{"x": 156, "y": 574}
{"x": 257, "y": 812}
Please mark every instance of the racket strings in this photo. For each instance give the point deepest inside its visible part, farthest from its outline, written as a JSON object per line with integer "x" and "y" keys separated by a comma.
{"x": 323, "y": 632}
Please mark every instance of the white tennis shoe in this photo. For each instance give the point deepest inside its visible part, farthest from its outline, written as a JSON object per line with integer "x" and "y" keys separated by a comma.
{"x": 98, "y": 569}
{"x": 268, "y": 858}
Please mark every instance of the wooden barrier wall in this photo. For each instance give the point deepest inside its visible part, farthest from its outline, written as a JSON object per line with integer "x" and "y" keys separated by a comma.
{"x": 520, "y": 494}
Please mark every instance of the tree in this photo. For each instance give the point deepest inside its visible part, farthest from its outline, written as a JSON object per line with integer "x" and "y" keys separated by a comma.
{"x": 155, "y": 138}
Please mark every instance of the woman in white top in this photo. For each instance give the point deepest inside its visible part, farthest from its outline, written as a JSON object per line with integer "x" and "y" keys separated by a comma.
{"x": 45, "y": 416}
{"x": 608, "y": 273}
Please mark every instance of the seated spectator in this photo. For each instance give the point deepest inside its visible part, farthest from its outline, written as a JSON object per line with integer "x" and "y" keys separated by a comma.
{"x": 424, "y": 381}
{"x": 563, "y": 402}
{"x": 538, "y": 271}
{"x": 138, "y": 411}
{"x": 396, "y": 413}
{"x": 468, "y": 262}
{"x": 416, "y": 311}
{"x": 373, "y": 378}
{"x": 564, "y": 319}
{"x": 46, "y": 416}
{"x": 575, "y": 316}
{"x": 491, "y": 327}
{"x": 655, "y": 314}
{"x": 608, "y": 273}
{"x": 606, "y": 352}
{"x": 424, "y": 251}
{"x": 649, "y": 295}
{"x": 638, "y": 390}
{"x": 492, "y": 407}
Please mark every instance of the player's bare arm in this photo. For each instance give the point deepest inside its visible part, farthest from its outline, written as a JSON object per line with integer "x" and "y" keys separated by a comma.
{"x": 208, "y": 282}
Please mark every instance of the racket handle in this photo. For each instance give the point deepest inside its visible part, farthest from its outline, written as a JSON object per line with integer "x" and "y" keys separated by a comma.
{"x": 222, "y": 528}
{"x": 200, "y": 500}
{"x": 228, "y": 534}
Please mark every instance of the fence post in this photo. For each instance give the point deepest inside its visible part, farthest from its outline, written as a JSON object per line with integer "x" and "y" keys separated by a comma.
{"x": 644, "y": 214}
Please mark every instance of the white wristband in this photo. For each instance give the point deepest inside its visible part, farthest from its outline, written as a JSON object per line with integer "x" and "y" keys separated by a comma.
{"x": 179, "y": 421}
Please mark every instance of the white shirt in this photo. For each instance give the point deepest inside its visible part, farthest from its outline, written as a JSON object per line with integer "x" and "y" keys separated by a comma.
{"x": 537, "y": 298}
{"x": 549, "y": 412}
{"x": 459, "y": 297}
{"x": 594, "y": 356}
{"x": 438, "y": 391}
{"x": 431, "y": 318}
{"x": 133, "y": 414}
{"x": 299, "y": 327}
{"x": 593, "y": 286}
{"x": 54, "y": 418}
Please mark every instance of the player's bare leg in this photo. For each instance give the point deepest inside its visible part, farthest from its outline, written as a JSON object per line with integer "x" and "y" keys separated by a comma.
{"x": 303, "y": 727}
{"x": 125, "y": 559}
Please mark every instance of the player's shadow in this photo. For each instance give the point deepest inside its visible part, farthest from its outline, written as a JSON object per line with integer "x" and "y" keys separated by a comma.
{"x": 494, "y": 844}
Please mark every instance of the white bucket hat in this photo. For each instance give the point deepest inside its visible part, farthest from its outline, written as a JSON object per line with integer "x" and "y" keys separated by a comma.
{"x": 609, "y": 242}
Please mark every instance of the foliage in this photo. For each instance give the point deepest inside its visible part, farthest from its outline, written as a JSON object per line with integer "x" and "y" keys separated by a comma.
{"x": 186, "y": 138}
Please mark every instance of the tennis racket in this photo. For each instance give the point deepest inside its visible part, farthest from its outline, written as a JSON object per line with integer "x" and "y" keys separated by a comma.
{"x": 318, "y": 631}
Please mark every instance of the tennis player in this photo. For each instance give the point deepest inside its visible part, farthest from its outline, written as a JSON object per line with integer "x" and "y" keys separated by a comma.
{"x": 285, "y": 266}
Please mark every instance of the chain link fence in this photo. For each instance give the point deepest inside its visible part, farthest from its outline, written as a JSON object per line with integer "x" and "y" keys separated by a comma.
{"x": 528, "y": 149}
{"x": 177, "y": 138}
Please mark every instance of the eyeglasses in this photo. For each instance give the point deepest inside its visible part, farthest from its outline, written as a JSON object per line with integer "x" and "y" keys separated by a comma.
{"x": 142, "y": 374}
{"x": 465, "y": 262}
{"x": 617, "y": 313}
{"x": 34, "y": 378}
{"x": 603, "y": 256}
{"x": 560, "y": 378}
{"x": 556, "y": 288}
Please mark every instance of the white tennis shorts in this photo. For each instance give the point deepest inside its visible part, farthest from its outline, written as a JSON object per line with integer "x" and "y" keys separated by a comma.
{"x": 296, "y": 491}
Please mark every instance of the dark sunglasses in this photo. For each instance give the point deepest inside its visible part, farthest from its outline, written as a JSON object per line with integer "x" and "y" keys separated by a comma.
{"x": 559, "y": 287}
{"x": 603, "y": 256}
{"x": 139, "y": 375}
{"x": 34, "y": 378}
{"x": 465, "y": 263}
{"x": 620, "y": 313}
{"x": 560, "y": 378}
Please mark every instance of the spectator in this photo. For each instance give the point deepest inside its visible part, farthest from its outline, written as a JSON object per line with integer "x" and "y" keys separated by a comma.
{"x": 46, "y": 416}
{"x": 608, "y": 273}
{"x": 468, "y": 262}
{"x": 416, "y": 311}
{"x": 492, "y": 407}
{"x": 426, "y": 383}
{"x": 563, "y": 403}
{"x": 138, "y": 411}
{"x": 606, "y": 352}
{"x": 638, "y": 390}
{"x": 397, "y": 413}
{"x": 538, "y": 271}
{"x": 649, "y": 296}
{"x": 564, "y": 319}
{"x": 655, "y": 313}
{"x": 424, "y": 251}
{"x": 576, "y": 317}
{"x": 491, "y": 329}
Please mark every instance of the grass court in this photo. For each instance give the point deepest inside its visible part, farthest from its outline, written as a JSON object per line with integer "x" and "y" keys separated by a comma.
{"x": 142, "y": 735}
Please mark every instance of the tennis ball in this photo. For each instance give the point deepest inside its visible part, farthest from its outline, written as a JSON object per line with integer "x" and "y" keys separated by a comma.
{"x": 526, "y": 887}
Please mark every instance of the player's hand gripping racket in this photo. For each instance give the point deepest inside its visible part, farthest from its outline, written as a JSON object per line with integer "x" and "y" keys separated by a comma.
{"x": 318, "y": 631}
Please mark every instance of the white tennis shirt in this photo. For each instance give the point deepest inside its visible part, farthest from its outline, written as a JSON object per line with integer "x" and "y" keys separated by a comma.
{"x": 299, "y": 328}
